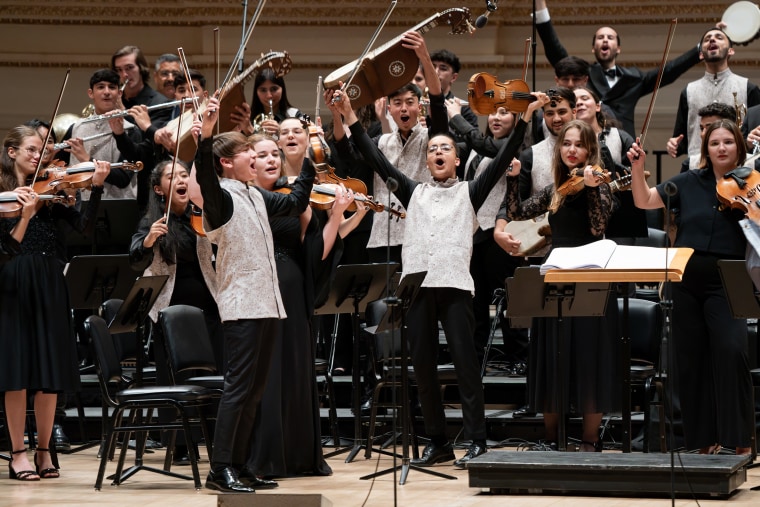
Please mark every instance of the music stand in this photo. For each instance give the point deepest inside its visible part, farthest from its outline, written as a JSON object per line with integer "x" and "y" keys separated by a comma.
{"x": 742, "y": 299}
{"x": 93, "y": 279}
{"x": 530, "y": 296}
{"x": 355, "y": 286}
{"x": 130, "y": 318}
{"x": 395, "y": 319}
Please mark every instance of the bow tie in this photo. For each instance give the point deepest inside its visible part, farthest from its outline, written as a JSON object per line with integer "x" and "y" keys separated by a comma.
{"x": 611, "y": 73}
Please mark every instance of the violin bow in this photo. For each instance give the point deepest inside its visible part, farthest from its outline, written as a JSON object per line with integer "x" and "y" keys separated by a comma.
{"x": 317, "y": 119}
{"x": 244, "y": 43}
{"x": 372, "y": 40}
{"x": 526, "y": 57}
{"x": 186, "y": 71}
{"x": 171, "y": 180}
{"x": 50, "y": 128}
{"x": 660, "y": 72}
{"x": 216, "y": 65}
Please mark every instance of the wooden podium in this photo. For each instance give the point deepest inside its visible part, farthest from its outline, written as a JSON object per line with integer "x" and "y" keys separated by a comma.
{"x": 639, "y": 274}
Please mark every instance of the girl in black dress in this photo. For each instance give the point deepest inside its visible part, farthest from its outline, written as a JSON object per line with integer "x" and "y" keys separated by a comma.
{"x": 589, "y": 343}
{"x": 36, "y": 332}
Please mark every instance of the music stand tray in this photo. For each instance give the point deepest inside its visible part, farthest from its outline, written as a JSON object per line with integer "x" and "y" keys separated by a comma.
{"x": 93, "y": 279}
{"x": 354, "y": 287}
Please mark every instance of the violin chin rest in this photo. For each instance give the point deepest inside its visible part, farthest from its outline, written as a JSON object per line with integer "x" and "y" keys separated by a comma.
{"x": 739, "y": 172}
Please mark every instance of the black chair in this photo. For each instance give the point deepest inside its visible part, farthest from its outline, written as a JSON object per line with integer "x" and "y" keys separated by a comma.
{"x": 126, "y": 343}
{"x": 188, "y": 347}
{"x": 645, "y": 330}
{"x": 185, "y": 400}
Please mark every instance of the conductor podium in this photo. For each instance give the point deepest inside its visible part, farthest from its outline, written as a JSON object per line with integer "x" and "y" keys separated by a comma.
{"x": 562, "y": 293}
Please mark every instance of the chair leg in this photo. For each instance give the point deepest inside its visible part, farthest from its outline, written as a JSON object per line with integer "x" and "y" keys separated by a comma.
{"x": 190, "y": 448}
{"x": 373, "y": 418}
{"x": 332, "y": 410}
{"x": 109, "y": 442}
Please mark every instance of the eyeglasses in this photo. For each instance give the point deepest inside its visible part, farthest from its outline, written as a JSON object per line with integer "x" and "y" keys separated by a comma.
{"x": 169, "y": 73}
{"x": 127, "y": 68}
{"x": 30, "y": 150}
{"x": 446, "y": 148}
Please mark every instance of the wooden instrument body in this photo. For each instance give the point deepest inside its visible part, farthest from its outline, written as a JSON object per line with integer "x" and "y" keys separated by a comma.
{"x": 529, "y": 234}
{"x": 391, "y": 66}
{"x": 485, "y": 94}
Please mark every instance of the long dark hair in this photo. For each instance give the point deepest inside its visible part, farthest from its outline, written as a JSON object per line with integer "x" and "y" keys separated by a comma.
{"x": 560, "y": 171}
{"x": 257, "y": 107}
{"x": 157, "y": 208}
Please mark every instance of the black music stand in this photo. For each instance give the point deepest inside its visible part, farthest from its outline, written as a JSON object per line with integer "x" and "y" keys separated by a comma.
{"x": 395, "y": 319}
{"x": 530, "y": 296}
{"x": 743, "y": 300}
{"x": 93, "y": 279}
{"x": 355, "y": 286}
{"x": 131, "y": 318}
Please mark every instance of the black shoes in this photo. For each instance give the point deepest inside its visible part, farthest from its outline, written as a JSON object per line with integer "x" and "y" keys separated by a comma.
{"x": 434, "y": 454}
{"x": 60, "y": 439}
{"x": 473, "y": 451}
{"x": 253, "y": 481}
{"x": 226, "y": 480}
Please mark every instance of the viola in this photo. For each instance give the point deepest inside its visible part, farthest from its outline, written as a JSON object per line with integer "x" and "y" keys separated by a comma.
{"x": 486, "y": 94}
{"x": 196, "y": 220}
{"x": 740, "y": 189}
{"x": 575, "y": 183}
{"x": 11, "y": 207}
{"x": 319, "y": 151}
{"x": 53, "y": 179}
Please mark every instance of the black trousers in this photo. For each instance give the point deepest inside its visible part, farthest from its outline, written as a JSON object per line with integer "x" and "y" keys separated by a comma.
{"x": 248, "y": 345}
{"x": 453, "y": 307}
{"x": 711, "y": 360}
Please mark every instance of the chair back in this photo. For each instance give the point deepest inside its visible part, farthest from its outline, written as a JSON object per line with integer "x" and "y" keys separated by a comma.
{"x": 645, "y": 329}
{"x": 107, "y": 363}
{"x": 655, "y": 237}
{"x": 188, "y": 346}
{"x": 125, "y": 343}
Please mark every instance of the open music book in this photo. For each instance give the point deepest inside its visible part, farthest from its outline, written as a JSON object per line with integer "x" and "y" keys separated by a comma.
{"x": 608, "y": 255}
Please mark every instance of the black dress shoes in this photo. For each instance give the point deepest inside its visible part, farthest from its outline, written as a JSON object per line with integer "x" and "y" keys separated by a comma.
{"x": 60, "y": 439}
{"x": 226, "y": 480}
{"x": 253, "y": 481}
{"x": 473, "y": 451}
{"x": 434, "y": 454}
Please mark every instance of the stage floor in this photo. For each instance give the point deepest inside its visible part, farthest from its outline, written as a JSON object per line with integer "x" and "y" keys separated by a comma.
{"x": 342, "y": 489}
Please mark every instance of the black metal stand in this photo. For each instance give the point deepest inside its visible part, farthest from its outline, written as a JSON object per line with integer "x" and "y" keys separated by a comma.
{"x": 529, "y": 296}
{"x": 355, "y": 286}
{"x": 92, "y": 279}
{"x": 395, "y": 319}
{"x": 131, "y": 318}
{"x": 744, "y": 303}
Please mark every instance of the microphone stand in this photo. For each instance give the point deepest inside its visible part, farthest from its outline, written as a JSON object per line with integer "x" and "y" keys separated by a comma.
{"x": 533, "y": 49}
{"x": 666, "y": 303}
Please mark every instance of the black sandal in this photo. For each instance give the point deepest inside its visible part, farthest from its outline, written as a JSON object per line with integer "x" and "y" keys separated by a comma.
{"x": 24, "y": 475}
{"x": 45, "y": 473}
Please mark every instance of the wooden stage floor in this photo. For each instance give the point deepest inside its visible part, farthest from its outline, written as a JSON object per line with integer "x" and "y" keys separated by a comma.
{"x": 343, "y": 488}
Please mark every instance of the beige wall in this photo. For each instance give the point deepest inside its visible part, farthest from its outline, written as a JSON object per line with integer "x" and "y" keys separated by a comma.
{"x": 39, "y": 40}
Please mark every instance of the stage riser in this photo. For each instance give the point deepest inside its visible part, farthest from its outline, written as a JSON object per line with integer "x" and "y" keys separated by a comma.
{"x": 272, "y": 500}
{"x": 617, "y": 474}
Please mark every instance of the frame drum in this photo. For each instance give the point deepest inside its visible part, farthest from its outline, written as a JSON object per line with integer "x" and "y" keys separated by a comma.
{"x": 742, "y": 21}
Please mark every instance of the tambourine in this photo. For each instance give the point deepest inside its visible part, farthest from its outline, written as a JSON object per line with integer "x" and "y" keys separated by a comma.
{"x": 742, "y": 21}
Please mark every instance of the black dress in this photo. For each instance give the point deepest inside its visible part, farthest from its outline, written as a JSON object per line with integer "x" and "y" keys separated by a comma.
{"x": 39, "y": 350}
{"x": 287, "y": 440}
{"x": 591, "y": 343}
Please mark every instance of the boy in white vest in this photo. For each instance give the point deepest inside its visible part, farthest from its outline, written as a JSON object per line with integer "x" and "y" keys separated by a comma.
{"x": 236, "y": 219}
{"x": 441, "y": 220}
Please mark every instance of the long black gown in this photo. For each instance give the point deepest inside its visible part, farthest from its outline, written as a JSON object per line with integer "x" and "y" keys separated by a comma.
{"x": 39, "y": 349}
{"x": 590, "y": 344}
{"x": 286, "y": 440}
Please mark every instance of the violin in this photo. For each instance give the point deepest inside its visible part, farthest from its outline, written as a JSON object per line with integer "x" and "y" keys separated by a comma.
{"x": 486, "y": 94}
{"x": 53, "y": 179}
{"x": 740, "y": 189}
{"x": 196, "y": 219}
{"x": 11, "y": 207}
{"x": 323, "y": 197}
{"x": 575, "y": 183}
